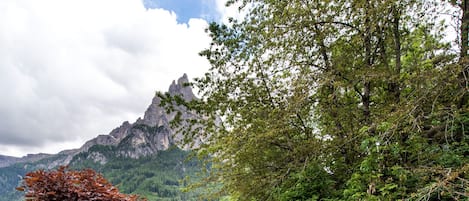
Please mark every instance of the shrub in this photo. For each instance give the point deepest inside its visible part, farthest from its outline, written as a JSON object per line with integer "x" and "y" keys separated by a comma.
{"x": 66, "y": 184}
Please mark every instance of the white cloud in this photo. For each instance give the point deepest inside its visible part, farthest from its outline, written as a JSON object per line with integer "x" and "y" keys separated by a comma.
{"x": 72, "y": 69}
{"x": 231, "y": 11}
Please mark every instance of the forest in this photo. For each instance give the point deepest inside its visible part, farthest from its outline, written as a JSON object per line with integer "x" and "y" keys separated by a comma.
{"x": 336, "y": 100}
{"x": 156, "y": 177}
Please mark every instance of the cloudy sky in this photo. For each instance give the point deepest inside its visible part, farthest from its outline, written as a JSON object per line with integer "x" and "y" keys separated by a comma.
{"x": 73, "y": 69}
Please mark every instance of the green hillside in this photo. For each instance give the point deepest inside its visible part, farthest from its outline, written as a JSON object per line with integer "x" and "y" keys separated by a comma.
{"x": 156, "y": 177}
{"x": 9, "y": 180}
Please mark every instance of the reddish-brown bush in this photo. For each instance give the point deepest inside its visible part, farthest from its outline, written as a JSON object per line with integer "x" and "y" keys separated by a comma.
{"x": 66, "y": 184}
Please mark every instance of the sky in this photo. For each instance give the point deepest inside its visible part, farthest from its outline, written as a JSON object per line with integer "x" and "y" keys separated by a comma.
{"x": 73, "y": 69}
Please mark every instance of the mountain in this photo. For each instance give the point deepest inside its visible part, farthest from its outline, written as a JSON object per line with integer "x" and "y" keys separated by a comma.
{"x": 149, "y": 144}
{"x": 144, "y": 137}
{"x": 9, "y": 160}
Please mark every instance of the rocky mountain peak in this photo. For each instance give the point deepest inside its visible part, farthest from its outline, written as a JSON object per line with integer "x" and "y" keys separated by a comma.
{"x": 119, "y": 132}
{"x": 155, "y": 115}
{"x": 181, "y": 88}
{"x": 151, "y": 133}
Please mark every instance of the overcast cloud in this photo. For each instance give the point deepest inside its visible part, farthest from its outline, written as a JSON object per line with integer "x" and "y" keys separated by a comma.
{"x": 73, "y": 69}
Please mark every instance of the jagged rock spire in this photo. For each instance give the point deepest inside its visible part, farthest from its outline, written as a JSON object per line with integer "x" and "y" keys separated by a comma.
{"x": 155, "y": 115}
{"x": 181, "y": 89}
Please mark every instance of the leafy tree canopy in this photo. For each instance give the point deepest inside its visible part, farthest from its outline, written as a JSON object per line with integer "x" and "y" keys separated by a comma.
{"x": 335, "y": 100}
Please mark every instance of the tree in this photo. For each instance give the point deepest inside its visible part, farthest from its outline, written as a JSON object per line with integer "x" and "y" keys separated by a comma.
{"x": 334, "y": 99}
{"x": 65, "y": 184}
{"x": 463, "y": 20}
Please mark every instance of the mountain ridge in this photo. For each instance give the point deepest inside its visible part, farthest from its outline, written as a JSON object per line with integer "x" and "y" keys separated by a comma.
{"x": 10, "y": 160}
{"x": 145, "y": 136}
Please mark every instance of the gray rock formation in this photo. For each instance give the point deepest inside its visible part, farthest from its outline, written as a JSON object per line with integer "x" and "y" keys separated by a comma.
{"x": 181, "y": 88}
{"x": 144, "y": 140}
{"x": 120, "y": 132}
{"x": 155, "y": 115}
{"x": 147, "y": 135}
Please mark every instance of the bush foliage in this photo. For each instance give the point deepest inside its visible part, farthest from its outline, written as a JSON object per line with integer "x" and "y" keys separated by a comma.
{"x": 65, "y": 184}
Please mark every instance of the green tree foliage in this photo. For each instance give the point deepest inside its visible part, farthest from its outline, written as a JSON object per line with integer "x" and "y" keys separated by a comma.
{"x": 9, "y": 180}
{"x": 334, "y": 99}
{"x": 157, "y": 177}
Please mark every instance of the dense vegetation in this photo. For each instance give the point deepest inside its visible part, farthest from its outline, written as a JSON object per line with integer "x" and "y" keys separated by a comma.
{"x": 9, "y": 180}
{"x": 156, "y": 177}
{"x": 336, "y": 100}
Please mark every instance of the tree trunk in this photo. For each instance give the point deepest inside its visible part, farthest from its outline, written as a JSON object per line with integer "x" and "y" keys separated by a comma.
{"x": 464, "y": 75}
{"x": 366, "y": 96}
{"x": 464, "y": 29}
{"x": 395, "y": 89}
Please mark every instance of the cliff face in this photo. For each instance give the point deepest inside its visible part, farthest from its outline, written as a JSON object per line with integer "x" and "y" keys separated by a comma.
{"x": 156, "y": 115}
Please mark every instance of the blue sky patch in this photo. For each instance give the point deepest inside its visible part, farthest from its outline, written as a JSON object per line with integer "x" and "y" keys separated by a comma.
{"x": 186, "y": 9}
